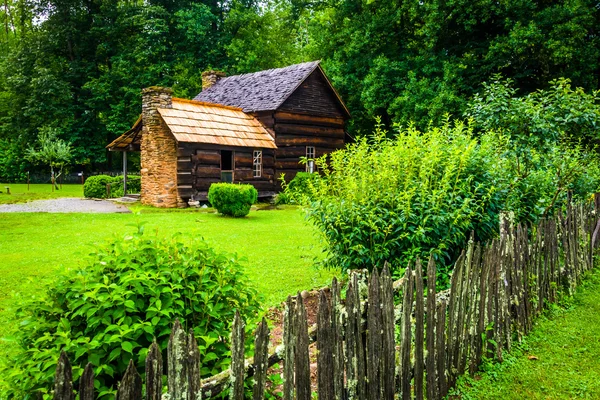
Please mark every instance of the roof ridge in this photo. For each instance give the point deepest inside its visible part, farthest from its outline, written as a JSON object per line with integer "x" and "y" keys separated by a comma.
{"x": 316, "y": 62}
{"x": 206, "y": 103}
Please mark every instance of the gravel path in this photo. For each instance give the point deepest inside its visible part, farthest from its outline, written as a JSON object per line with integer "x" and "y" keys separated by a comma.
{"x": 66, "y": 205}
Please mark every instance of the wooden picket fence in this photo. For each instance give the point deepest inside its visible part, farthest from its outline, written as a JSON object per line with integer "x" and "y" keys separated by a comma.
{"x": 496, "y": 293}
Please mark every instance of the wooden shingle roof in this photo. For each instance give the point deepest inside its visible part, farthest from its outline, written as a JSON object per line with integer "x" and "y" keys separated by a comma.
{"x": 199, "y": 122}
{"x": 259, "y": 91}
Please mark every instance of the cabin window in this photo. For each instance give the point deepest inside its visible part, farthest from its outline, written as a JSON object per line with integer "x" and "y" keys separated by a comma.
{"x": 257, "y": 164}
{"x": 310, "y": 159}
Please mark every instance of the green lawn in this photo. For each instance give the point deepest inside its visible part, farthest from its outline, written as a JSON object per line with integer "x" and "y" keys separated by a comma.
{"x": 20, "y": 194}
{"x": 280, "y": 247}
{"x": 559, "y": 360}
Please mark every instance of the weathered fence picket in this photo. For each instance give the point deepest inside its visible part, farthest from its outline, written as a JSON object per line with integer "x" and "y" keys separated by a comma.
{"x": 496, "y": 291}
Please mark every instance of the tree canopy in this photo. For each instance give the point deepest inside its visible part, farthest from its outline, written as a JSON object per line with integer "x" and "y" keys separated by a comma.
{"x": 78, "y": 66}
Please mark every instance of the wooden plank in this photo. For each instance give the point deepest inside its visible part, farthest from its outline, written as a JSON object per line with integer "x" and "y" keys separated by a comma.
{"x": 185, "y": 178}
{"x": 405, "y": 344}
{"x": 184, "y": 166}
{"x": 177, "y": 362}
{"x": 130, "y": 387}
{"x": 209, "y": 158}
{"x": 453, "y": 312}
{"x": 374, "y": 338}
{"x": 261, "y": 360}
{"x": 238, "y": 337}
{"x": 419, "y": 331}
{"x": 325, "y": 347}
{"x": 289, "y": 164}
{"x": 337, "y": 326}
{"x": 287, "y": 117}
{"x": 289, "y": 346}
{"x": 301, "y": 360}
{"x": 309, "y": 130}
{"x": 154, "y": 372}
{"x": 193, "y": 368}
{"x": 86, "y": 383}
{"x": 431, "y": 367}
{"x": 63, "y": 379}
{"x": 356, "y": 368}
{"x": 283, "y": 140}
{"x": 207, "y": 172}
{"x": 441, "y": 346}
{"x": 388, "y": 357}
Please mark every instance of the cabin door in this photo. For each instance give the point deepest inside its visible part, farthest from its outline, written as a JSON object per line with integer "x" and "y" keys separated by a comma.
{"x": 227, "y": 166}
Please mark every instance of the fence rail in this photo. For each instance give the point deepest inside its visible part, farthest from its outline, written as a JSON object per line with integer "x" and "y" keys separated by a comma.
{"x": 496, "y": 292}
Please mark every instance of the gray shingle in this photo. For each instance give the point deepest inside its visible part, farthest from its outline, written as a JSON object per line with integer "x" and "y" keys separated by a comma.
{"x": 259, "y": 91}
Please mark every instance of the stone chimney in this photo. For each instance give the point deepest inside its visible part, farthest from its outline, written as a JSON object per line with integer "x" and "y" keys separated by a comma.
{"x": 159, "y": 151}
{"x": 211, "y": 77}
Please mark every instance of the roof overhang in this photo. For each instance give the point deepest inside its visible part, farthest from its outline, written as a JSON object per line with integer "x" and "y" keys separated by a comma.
{"x": 130, "y": 140}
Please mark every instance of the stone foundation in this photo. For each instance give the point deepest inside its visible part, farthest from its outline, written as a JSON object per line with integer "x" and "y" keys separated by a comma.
{"x": 159, "y": 152}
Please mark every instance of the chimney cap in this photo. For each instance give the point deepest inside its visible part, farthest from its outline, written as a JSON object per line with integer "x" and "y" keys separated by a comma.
{"x": 219, "y": 74}
{"x": 160, "y": 89}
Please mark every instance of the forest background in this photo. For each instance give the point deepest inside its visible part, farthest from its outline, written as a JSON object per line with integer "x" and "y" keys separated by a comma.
{"x": 76, "y": 67}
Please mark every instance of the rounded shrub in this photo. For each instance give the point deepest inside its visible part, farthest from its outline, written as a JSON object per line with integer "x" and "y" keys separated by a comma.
{"x": 128, "y": 293}
{"x": 232, "y": 199}
{"x": 95, "y": 186}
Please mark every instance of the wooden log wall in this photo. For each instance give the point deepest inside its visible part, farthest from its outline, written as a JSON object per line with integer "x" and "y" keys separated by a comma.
{"x": 496, "y": 292}
{"x": 199, "y": 166}
{"x": 295, "y": 131}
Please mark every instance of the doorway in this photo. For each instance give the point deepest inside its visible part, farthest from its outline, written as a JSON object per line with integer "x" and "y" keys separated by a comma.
{"x": 227, "y": 166}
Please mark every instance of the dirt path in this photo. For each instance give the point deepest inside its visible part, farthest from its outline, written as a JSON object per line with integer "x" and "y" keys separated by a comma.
{"x": 66, "y": 205}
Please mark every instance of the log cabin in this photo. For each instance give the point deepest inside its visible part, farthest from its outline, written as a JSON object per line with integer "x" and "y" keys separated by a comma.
{"x": 248, "y": 128}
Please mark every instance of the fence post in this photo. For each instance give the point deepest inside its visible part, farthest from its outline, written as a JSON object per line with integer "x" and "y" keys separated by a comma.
{"x": 63, "y": 379}
{"x": 374, "y": 338}
{"x": 237, "y": 358}
{"x": 337, "y": 327}
{"x": 354, "y": 342}
{"x": 325, "y": 346}
{"x": 419, "y": 331}
{"x": 289, "y": 349}
{"x": 130, "y": 387}
{"x": 86, "y": 383}
{"x": 301, "y": 359}
{"x": 261, "y": 360}
{"x": 388, "y": 357}
{"x": 405, "y": 344}
{"x": 193, "y": 368}
{"x": 154, "y": 372}
{"x": 432, "y": 385}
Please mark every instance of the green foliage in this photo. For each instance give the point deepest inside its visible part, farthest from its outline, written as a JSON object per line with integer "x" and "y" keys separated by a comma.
{"x": 95, "y": 186}
{"x": 398, "y": 199}
{"x": 129, "y": 292}
{"x": 232, "y": 199}
{"x": 547, "y": 143}
{"x": 299, "y": 190}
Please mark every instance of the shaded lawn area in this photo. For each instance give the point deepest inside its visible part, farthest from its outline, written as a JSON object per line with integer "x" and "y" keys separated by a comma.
{"x": 559, "y": 359}
{"x": 280, "y": 247}
{"x": 37, "y": 191}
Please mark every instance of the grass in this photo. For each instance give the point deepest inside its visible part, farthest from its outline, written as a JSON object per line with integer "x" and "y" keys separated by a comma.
{"x": 279, "y": 246}
{"x": 37, "y": 191}
{"x": 558, "y": 360}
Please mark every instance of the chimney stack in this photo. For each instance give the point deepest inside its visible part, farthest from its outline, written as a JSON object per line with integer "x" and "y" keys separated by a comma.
{"x": 211, "y": 77}
{"x": 159, "y": 151}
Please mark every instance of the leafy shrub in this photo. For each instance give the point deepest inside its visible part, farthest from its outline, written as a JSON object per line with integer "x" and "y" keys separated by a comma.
{"x": 299, "y": 190}
{"x": 131, "y": 291}
{"x": 95, "y": 186}
{"x": 396, "y": 199}
{"x": 232, "y": 199}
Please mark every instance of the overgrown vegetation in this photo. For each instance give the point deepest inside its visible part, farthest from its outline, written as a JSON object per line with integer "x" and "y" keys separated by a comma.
{"x": 405, "y": 194}
{"x": 232, "y": 199}
{"x": 95, "y": 186}
{"x": 130, "y": 292}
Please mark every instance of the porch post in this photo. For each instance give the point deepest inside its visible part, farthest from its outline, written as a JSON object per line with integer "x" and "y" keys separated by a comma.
{"x": 124, "y": 173}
